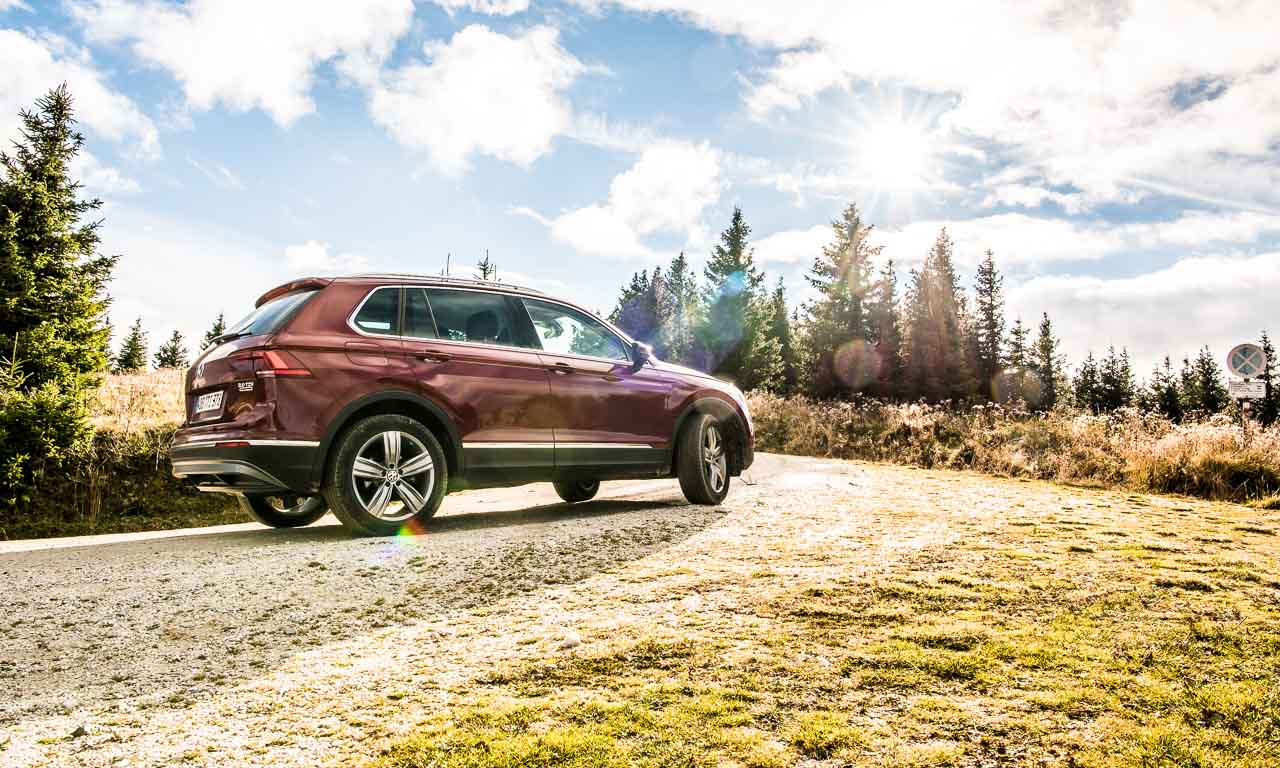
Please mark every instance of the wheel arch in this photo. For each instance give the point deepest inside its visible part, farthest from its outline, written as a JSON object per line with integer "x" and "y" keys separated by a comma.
{"x": 401, "y": 402}
{"x": 725, "y": 412}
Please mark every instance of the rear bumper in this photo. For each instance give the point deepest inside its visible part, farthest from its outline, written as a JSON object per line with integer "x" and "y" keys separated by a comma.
{"x": 248, "y": 466}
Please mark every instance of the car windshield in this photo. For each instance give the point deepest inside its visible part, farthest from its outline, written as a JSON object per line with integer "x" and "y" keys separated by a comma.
{"x": 269, "y": 316}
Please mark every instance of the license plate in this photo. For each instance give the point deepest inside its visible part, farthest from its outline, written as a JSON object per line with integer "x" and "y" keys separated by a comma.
{"x": 208, "y": 402}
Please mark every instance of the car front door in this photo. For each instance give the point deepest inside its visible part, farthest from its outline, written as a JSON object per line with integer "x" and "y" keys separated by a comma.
{"x": 470, "y": 353}
{"x": 608, "y": 411}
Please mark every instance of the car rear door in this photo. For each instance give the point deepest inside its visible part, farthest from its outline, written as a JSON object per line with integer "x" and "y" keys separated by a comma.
{"x": 465, "y": 348}
{"x": 608, "y": 412}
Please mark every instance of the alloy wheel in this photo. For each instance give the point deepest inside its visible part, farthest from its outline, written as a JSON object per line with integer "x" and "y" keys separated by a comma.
{"x": 393, "y": 476}
{"x": 713, "y": 458}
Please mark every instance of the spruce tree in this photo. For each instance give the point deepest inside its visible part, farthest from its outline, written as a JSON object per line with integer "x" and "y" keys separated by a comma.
{"x": 780, "y": 331}
{"x": 638, "y": 309}
{"x": 937, "y": 363}
{"x": 53, "y": 281}
{"x": 988, "y": 325}
{"x": 486, "y": 269}
{"x": 1269, "y": 408}
{"x": 133, "y": 350}
{"x": 733, "y": 333}
{"x": 1016, "y": 364}
{"x": 838, "y": 325}
{"x": 1209, "y": 390}
{"x": 680, "y": 311}
{"x": 1162, "y": 392}
{"x": 1115, "y": 381}
{"x": 1087, "y": 385}
{"x": 219, "y": 328}
{"x": 886, "y": 332}
{"x": 1048, "y": 365}
{"x": 172, "y": 353}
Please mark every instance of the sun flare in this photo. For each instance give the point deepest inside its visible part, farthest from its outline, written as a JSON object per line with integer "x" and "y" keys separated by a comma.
{"x": 894, "y": 154}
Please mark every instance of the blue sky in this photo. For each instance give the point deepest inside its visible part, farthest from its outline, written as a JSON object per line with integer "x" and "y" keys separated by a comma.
{"x": 1122, "y": 160}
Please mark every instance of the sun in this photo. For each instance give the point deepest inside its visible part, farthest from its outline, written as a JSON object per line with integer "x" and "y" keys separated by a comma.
{"x": 893, "y": 154}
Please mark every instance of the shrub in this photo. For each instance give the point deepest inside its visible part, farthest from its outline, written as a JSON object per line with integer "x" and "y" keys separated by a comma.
{"x": 1129, "y": 448}
{"x": 42, "y": 432}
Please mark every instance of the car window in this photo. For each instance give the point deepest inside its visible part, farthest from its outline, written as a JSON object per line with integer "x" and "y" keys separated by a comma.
{"x": 418, "y": 322}
{"x": 380, "y": 313}
{"x": 270, "y": 316}
{"x": 475, "y": 316}
{"x": 567, "y": 331}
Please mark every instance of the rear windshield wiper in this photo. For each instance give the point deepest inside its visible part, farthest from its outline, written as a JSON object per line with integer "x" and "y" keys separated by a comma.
{"x": 230, "y": 336}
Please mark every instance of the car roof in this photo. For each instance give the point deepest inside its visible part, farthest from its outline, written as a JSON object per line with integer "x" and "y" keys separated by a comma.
{"x": 443, "y": 280}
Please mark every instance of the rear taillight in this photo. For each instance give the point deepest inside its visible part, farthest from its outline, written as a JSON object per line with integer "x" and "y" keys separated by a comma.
{"x": 274, "y": 362}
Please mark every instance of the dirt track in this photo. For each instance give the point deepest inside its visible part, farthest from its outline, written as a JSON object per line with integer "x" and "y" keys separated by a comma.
{"x": 244, "y": 645}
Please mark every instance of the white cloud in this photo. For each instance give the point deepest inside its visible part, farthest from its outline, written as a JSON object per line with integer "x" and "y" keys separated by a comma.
{"x": 1100, "y": 96}
{"x": 1019, "y": 239}
{"x": 482, "y": 92}
{"x": 31, "y": 66}
{"x": 491, "y": 7}
{"x": 219, "y": 174}
{"x": 252, "y": 55}
{"x": 666, "y": 190}
{"x": 1215, "y": 300}
{"x": 798, "y": 246}
{"x": 99, "y": 179}
{"x": 9, "y": 5}
{"x": 313, "y": 257}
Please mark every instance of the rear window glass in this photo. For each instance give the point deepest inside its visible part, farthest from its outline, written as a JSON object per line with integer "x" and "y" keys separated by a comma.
{"x": 269, "y": 317}
{"x": 380, "y": 313}
{"x": 418, "y": 322}
{"x": 475, "y": 316}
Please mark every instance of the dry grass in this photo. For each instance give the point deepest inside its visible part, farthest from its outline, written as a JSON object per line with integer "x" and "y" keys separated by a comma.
{"x": 953, "y": 621}
{"x": 132, "y": 402}
{"x": 1128, "y": 449}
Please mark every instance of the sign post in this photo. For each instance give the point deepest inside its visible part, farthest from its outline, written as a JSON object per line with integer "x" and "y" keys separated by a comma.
{"x": 1246, "y": 361}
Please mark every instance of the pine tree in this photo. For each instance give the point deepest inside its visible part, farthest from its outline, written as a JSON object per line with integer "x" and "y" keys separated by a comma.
{"x": 780, "y": 331}
{"x": 1269, "y": 408}
{"x": 838, "y": 325}
{"x": 219, "y": 328}
{"x": 133, "y": 350}
{"x": 886, "y": 332}
{"x": 172, "y": 353}
{"x": 638, "y": 309}
{"x": 1017, "y": 385}
{"x": 1208, "y": 392}
{"x": 680, "y": 311}
{"x": 486, "y": 269}
{"x": 53, "y": 282}
{"x": 988, "y": 328}
{"x": 1162, "y": 392}
{"x": 1115, "y": 381}
{"x": 1048, "y": 364}
{"x": 733, "y": 333}
{"x": 937, "y": 363}
{"x": 1087, "y": 385}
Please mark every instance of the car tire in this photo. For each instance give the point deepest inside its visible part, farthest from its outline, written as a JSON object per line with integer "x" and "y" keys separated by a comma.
{"x": 702, "y": 464}
{"x": 574, "y": 491}
{"x": 388, "y": 473}
{"x": 277, "y": 512}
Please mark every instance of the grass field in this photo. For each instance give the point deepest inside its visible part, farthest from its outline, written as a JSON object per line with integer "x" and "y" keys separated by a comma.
{"x": 1022, "y": 625}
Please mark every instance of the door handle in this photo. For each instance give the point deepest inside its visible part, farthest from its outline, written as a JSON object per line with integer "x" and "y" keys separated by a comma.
{"x": 562, "y": 368}
{"x": 434, "y": 356}
{"x": 612, "y": 377}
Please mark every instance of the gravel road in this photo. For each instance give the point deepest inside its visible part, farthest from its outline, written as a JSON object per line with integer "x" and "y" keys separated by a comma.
{"x": 242, "y": 645}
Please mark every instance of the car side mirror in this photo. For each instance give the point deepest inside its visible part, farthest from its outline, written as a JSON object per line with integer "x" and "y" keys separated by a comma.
{"x": 641, "y": 353}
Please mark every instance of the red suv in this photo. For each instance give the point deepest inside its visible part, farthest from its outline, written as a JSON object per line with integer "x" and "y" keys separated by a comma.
{"x": 374, "y": 395}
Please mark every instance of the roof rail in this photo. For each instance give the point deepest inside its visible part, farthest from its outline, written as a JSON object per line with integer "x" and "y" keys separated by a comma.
{"x": 443, "y": 279}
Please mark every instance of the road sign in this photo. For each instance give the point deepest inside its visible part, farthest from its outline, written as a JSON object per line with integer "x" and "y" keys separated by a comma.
{"x": 1247, "y": 390}
{"x": 1246, "y": 360}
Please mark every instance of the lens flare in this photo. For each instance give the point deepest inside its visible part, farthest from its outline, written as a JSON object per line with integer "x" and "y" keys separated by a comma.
{"x": 856, "y": 363}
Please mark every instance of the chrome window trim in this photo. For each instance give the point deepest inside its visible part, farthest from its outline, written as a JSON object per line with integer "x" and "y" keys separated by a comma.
{"x": 628, "y": 341}
{"x": 351, "y": 319}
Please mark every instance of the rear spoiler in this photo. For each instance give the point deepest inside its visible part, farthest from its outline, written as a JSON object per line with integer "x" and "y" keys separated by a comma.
{"x": 301, "y": 284}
